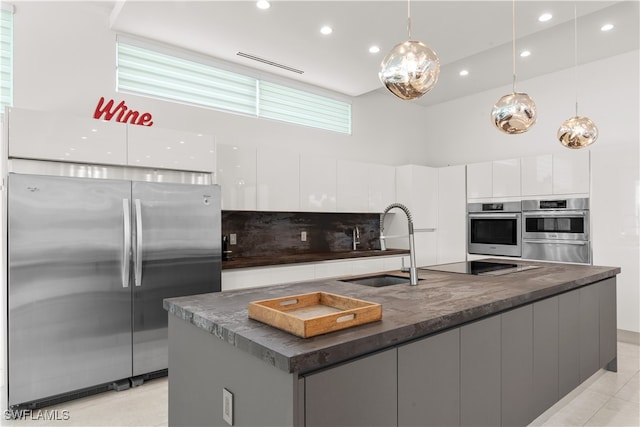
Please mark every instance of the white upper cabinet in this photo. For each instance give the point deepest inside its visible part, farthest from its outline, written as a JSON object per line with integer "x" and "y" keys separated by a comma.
{"x": 382, "y": 186}
{"x": 500, "y": 178}
{"x": 44, "y": 135}
{"x": 537, "y": 175}
{"x": 353, "y": 186}
{"x": 562, "y": 173}
{"x": 156, "y": 147}
{"x": 417, "y": 189}
{"x": 506, "y": 178}
{"x": 452, "y": 215}
{"x": 236, "y": 172}
{"x": 49, "y": 136}
{"x": 480, "y": 180}
{"x": 571, "y": 172}
{"x": 278, "y": 178}
{"x": 365, "y": 187}
{"x": 317, "y": 184}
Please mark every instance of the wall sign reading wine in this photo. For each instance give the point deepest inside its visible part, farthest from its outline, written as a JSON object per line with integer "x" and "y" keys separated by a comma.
{"x": 121, "y": 113}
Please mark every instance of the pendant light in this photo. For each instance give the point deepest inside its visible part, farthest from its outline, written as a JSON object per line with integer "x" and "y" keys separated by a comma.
{"x": 411, "y": 69}
{"x": 516, "y": 112}
{"x": 577, "y": 131}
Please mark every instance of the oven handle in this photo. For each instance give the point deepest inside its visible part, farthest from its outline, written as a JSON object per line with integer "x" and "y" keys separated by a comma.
{"x": 495, "y": 215}
{"x": 557, "y": 242}
{"x": 555, "y": 214}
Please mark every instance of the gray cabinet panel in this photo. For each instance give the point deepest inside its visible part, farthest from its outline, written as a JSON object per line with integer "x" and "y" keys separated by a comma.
{"x": 517, "y": 366}
{"x": 429, "y": 381}
{"x": 568, "y": 342}
{"x": 480, "y": 373}
{"x": 589, "y": 331}
{"x": 608, "y": 324}
{"x": 545, "y": 354}
{"x": 358, "y": 393}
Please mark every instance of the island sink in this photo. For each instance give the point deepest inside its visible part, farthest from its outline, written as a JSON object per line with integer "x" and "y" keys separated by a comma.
{"x": 378, "y": 281}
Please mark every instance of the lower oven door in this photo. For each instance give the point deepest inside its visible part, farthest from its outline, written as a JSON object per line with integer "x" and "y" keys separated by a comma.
{"x": 578, "y": 251}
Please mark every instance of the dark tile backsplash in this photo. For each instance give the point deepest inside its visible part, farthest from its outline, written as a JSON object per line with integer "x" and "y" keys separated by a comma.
{"x": 278, "y": 233}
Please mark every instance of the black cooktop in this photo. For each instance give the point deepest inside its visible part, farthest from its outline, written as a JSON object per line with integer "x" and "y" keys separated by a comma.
{"x": 480, "y": 268}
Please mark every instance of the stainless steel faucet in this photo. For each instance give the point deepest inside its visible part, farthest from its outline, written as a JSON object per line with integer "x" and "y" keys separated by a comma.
{"x": 413, "y": 272}
{"x": 356, "y": 237}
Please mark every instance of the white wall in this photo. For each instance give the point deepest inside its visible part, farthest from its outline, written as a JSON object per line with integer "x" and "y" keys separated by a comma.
{"x": 66, "y": 64}
{"x": 460, "y": 132}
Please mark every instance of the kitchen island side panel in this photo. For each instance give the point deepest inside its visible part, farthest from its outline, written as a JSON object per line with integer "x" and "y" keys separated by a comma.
{"x": 201, "y": 366}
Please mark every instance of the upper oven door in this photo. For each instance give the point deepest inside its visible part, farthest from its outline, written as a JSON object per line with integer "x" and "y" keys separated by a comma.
{"x": 565, "y": 225}
{"x": 495, "y": 234}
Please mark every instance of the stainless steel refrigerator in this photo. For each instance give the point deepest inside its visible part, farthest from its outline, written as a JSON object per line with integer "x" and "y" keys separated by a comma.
{"x": 89, "y": 263}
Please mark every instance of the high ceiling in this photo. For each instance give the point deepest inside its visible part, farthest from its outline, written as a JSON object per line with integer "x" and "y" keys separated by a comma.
{"x": 473, "y": 35}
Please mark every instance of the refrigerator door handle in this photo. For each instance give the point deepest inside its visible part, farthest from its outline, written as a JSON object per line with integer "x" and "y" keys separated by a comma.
{"x": 138, "y": 260}
{"x": 126, "y": 256}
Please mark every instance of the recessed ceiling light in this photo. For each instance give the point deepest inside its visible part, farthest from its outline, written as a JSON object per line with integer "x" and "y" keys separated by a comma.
{"x": 545, "y": 17}
{"x": 464, "y": 73}
{"x": 606, "y": 27}
{"x": 326, "y": 30}
{"x": 374, "y": 49}
{"x": 525, "y": 53}
{"x": 263, "y": 4}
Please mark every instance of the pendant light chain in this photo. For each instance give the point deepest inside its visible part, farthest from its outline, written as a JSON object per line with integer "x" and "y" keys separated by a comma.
{"x": 513, "y": 43}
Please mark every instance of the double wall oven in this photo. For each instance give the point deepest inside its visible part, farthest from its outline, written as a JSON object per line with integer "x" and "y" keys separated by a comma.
{"x": 494, "y": 228}
{"x": 556, "y": 230}
{"x": 548, "y": 230}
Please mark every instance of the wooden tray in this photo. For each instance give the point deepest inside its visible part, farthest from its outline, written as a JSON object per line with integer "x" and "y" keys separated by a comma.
{"x": 316, "y": 313}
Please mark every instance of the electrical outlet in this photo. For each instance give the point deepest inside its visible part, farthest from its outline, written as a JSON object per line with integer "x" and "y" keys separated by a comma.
{"x": 303, "y": 236}
{"x": 233, "y": 239}
{"x": 227, "y": 406}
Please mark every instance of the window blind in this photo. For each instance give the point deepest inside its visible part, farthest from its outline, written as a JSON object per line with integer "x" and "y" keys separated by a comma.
{"x": 296, "y": 106}
{"x": 6, "y": 58}
{"x": 144, "y": 71}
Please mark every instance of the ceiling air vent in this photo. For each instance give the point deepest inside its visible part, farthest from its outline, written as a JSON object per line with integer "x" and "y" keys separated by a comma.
{"x": 268, "y": 62}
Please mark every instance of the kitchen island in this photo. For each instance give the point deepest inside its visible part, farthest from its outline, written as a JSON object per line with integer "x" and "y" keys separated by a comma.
{"x": 454, "y": 350}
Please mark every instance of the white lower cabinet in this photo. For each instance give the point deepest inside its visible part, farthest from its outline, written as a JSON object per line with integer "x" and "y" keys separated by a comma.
{"x": 243, "y": 278}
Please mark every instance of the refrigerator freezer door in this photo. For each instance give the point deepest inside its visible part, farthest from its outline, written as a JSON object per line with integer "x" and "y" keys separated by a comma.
{"x": 179, "y": 254}
{"x": 69, "y": 313}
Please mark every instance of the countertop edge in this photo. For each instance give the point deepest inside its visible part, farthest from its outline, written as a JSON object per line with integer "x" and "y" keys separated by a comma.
{"x": 312, "y": 360}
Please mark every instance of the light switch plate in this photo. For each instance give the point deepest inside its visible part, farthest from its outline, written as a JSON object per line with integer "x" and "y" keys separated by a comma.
{"x": 227, "y": 406}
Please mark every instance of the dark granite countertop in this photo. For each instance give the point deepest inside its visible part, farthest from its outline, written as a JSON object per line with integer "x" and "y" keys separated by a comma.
{"x": 439, "y": 301}
{"x": 264, "y": 261}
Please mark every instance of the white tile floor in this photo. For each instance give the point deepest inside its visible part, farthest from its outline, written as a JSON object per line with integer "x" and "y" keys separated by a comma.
{"x": 606, "y": 399}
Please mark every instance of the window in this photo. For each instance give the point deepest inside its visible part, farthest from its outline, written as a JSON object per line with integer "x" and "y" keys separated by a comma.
{"x": 6, "y": 57}
{"x": 149, "y": 72}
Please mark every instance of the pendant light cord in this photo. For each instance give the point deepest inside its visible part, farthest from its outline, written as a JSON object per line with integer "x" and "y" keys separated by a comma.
{"x": 513, "y": 43}
{"x": 575, "y": 51}
{"x": 409, "y": 18}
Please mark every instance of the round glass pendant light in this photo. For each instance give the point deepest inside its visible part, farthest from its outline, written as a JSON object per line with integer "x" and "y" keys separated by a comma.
{"x": 516, "y": 112}
{"x": 577, "y": 131}
{"x": 411, "y": 69}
